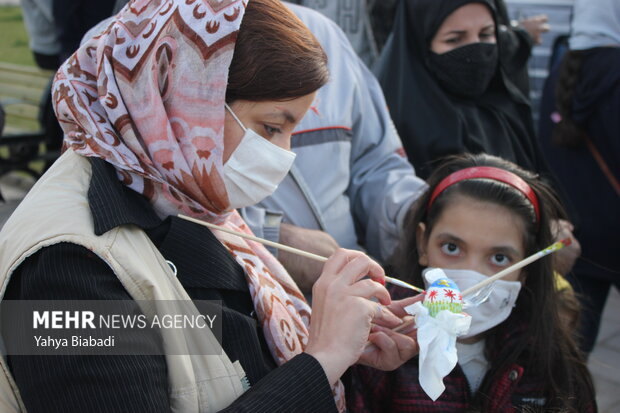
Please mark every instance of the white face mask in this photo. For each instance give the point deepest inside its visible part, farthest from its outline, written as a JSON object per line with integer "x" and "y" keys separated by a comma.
{"x": 491, "y": 312}
{"x": 255, "y": 168}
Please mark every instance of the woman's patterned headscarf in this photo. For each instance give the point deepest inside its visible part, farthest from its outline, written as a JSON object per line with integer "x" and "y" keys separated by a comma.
{"x": 147, "y": 95}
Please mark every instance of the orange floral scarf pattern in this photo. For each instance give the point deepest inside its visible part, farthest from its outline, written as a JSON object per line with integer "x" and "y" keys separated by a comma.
{"x": 147, "y": 95}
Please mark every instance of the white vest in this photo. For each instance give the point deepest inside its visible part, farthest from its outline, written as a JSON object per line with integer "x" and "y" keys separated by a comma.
{"x": 56, "y": 210}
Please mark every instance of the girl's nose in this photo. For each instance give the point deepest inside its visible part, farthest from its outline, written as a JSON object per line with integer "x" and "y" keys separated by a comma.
{"x": 478, "y": 264}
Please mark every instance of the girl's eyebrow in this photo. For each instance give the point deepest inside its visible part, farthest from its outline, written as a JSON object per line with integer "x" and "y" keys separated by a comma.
{"x": 506, "y": 249}
{"x": 450, "y": 237}
{"x": 455, "y": 32}
{"x": 490, "y": 26}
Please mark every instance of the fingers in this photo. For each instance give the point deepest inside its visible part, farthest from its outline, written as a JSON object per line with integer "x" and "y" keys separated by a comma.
{"x": 368, "y": 289}
{"x": 337, "y": 261}
{"x": 398, "y": 307}
{"x": 361, "y": 266}
{"x": 384, "y": 343}
{"x": 407, "y": 327}
{"x": 352, "y": 266}
{"x": 564, "y": 224}
{"x": 396, "y": 348}
{"x": 576, "y": 246}
{"x": 407, "y": 346}
{"x": 535, "y": 26}
{"x": 540, "y": 18}
{"x": 343, "y": 314}
{"x": 384, "y": 317}
{"x": 561, "y": 228}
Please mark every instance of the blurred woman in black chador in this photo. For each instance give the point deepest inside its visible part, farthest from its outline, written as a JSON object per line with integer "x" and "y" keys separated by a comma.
{"x": 446, "y": 90}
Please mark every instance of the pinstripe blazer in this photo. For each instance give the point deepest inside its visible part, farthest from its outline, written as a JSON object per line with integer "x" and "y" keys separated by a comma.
{"x": 139, "y": 383}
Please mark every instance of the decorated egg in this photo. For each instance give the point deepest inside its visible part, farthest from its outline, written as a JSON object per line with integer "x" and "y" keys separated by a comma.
{"x": 443, "y": 294}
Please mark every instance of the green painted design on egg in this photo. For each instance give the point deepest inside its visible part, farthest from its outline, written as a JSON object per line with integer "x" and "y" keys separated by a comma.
{"x": 443, "y": 294}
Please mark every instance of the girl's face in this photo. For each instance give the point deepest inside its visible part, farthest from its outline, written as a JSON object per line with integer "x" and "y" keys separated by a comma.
{"x": 471, "y": 23}
{"x": 273, "y": 120}
{"x": 473, "y": 235}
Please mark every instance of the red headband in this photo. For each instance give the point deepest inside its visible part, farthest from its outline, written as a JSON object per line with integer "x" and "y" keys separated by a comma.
{"x": 487, "y": 172}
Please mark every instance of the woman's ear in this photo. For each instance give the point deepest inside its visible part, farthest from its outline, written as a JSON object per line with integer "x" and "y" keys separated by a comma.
{"x": 421, "y": 244}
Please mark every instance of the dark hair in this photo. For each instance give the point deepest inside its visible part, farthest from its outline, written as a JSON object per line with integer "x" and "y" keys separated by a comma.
{"x": 547, "y": 349}
{"x": 567, "y": 132}
{"x": 276, "y": 56}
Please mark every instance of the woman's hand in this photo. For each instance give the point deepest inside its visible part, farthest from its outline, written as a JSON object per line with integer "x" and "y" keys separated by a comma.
{"x": 343, "y": 313}
{"x": 535, "y": 26}
{"x": 564, "y": 259}
{"x": 389, "y": 349}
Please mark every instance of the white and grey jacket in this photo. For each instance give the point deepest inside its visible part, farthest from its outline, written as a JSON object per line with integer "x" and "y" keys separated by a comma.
{"x": 350, "y": 177}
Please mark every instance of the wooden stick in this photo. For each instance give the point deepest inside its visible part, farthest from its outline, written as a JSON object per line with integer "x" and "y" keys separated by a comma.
{"x": 257, "y": 239}
{"x": 287, "y": 248}
{"x": 526, "y": 261}
{"x": 403, "y": 284}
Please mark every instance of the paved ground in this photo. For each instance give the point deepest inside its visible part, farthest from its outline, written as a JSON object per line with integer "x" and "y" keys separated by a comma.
{"x": 604, "y": 362}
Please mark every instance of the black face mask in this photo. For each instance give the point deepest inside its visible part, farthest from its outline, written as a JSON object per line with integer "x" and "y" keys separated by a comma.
{"x": 467, "y": 70}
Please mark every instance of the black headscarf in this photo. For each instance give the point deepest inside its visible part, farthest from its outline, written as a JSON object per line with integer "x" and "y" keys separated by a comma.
{"x": 516, "y": 45}
{"x": 432, "y": 122}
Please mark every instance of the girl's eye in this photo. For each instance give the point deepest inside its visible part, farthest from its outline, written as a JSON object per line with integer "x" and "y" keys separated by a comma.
{"x": 271, "y": 130}
{"x": 453, "y": 40}
{"x": 485, "y": 36}
{"x": 450, "y": 248}
{"x": 500, "y": 260}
